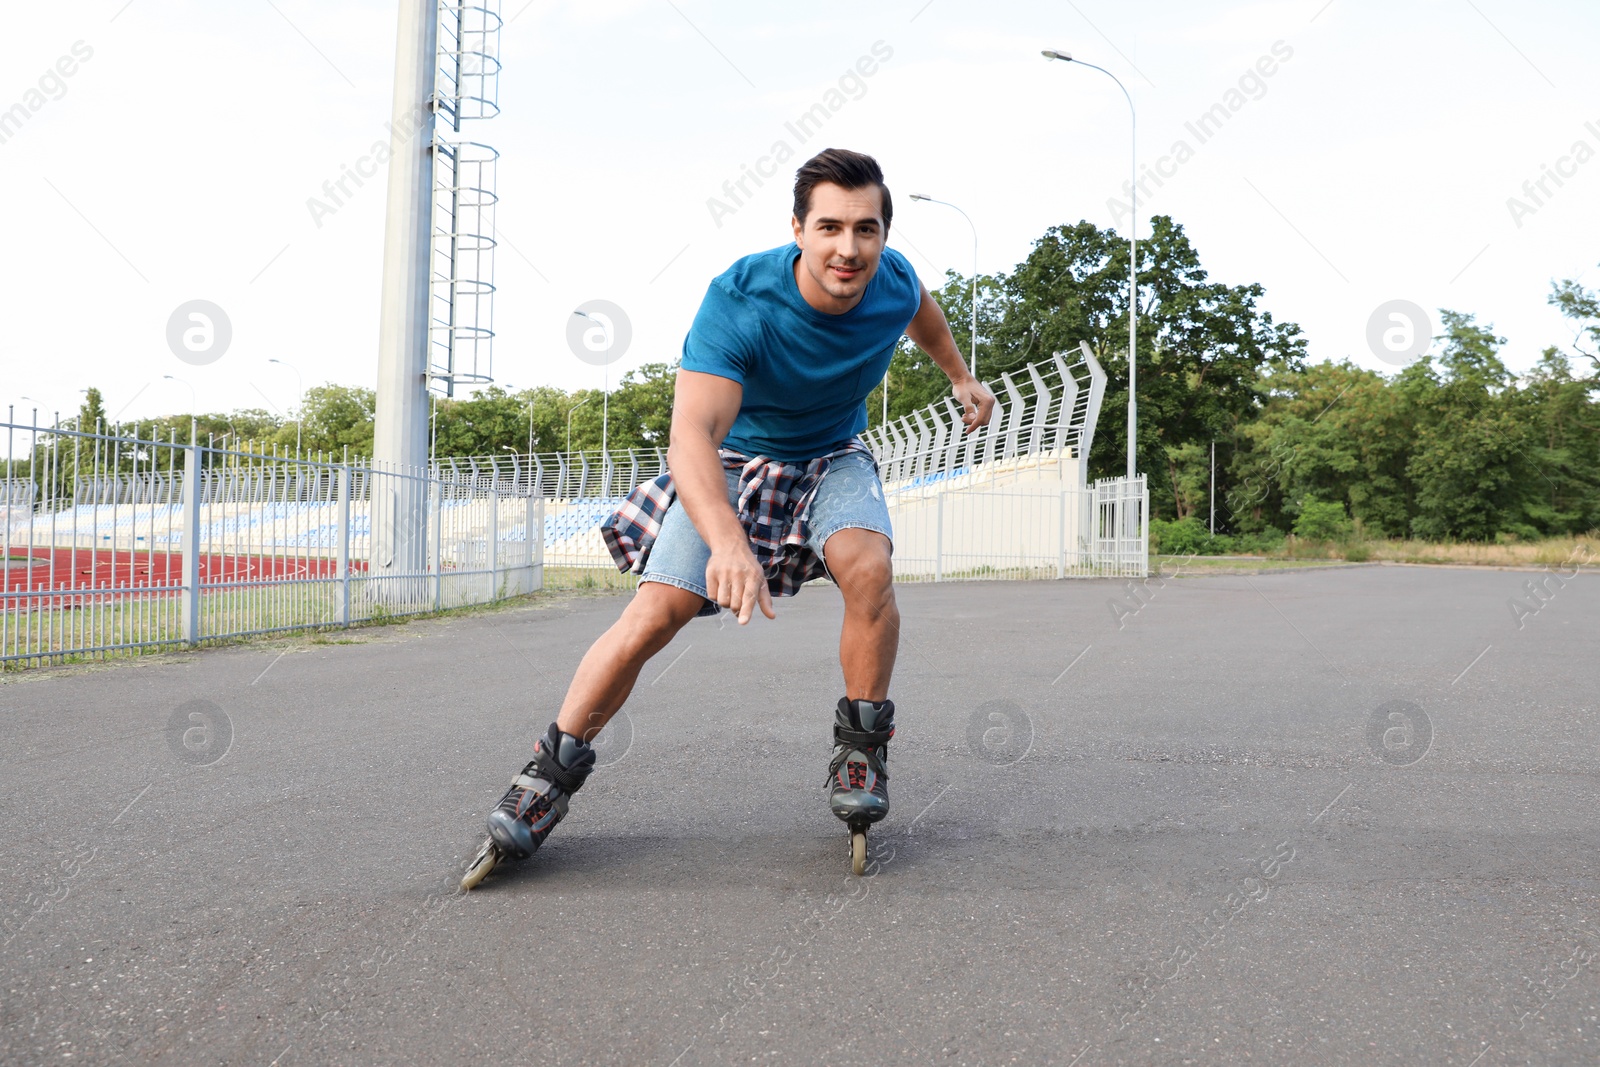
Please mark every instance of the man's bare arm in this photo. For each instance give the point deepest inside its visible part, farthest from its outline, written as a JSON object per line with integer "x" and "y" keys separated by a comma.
{"x": 703, "y": 409}
{"x": 931, "y": 333}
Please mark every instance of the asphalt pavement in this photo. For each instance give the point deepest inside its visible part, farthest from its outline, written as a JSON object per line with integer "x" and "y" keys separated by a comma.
{"x": 1337, "y": 817}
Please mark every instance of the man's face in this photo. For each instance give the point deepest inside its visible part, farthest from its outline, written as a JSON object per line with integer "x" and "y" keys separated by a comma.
{"x": 839, "y": 246}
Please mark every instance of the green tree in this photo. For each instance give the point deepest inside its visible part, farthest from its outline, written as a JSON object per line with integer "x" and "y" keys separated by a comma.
{"x": 252, "y": 427}
{"x": 1206, "y": 352}
{"x": 1188, "y": 472}
{"x": 489, "y": 421}
{"x": 1321, "y": 520}
{"x": 640, "y": 411}
{"x": 1582, "y": 307}
{"x": 92, "y": 415}
{"x": 549, "y": 407}
{"x": 332, "y": 417}
{"x": 638, "y": 414}
{"x": 1470, "y": 473}
{"x": 644, "y": 401}
{"x": 1562, "y": 444}
{"x": 91, "y": 420}
{"x": 1331, "y": 432}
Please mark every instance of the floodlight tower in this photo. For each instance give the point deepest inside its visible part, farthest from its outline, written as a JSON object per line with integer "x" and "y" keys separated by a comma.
{"x": 438, "y": 279}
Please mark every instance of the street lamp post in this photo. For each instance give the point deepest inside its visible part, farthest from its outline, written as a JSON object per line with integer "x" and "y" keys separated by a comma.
{"x": 946, "y": 203}
{"x": 570, "y": 410}
{"x": 605, "y": 389}
{"x": 300, "y": 401}
{"x": 1133, "y": 249}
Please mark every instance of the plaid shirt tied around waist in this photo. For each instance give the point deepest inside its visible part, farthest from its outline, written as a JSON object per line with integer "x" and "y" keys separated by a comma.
{"x": 774, "y": 508}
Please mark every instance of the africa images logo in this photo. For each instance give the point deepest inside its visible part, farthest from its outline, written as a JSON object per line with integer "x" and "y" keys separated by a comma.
{"x": 199, "y": 332}
{"x": 1399, "y": 733}
{"x": 199, "y": 733}
{"x": 1000, "y": 732}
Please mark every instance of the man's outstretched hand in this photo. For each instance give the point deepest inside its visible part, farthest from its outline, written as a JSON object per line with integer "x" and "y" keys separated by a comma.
{"x": 977, "y": 403}
{"x": 735, "y": 581}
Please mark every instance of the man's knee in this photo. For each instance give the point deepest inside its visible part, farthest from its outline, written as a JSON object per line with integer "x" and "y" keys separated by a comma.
{"x": 656, "y": 614}
{"x": 860, "y": 564}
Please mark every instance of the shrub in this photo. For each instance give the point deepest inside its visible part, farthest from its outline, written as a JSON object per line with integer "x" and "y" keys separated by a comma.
{"x": 1264, "y": 543}
{"x": 1180, "y": 538}
{"x": 1321, "y": 520}
{"x": 1183, "y": 537}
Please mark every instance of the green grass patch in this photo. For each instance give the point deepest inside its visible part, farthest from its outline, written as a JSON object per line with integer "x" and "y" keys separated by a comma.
{"x": 588, "y": 579}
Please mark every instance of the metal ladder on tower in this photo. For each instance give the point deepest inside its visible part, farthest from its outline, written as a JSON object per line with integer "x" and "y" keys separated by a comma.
{"x": 461, "y": 281}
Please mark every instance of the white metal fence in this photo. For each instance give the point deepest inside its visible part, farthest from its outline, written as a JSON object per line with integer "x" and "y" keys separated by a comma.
{"x": 1022, "y": 518}
{"x": 1047, "y": 408}
{"x": 560, "y": 475}
{"x": 1010, "y": 500}
{"x": 113, "y": 543}
{"x": 120, "y": 544}
{"x": 1023, "y": 522}
{"x": 1020, "y": 528}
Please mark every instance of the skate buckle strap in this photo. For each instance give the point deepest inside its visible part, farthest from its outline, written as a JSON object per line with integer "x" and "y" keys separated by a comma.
{"x": 547, "y": 766}
{"x": 862, "y": 737}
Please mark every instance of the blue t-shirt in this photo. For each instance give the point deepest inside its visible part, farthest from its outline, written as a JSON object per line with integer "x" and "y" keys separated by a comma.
{"x": 806, "y": 374}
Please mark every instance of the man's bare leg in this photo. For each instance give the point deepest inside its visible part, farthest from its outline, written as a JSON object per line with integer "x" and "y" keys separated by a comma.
{"x": 858, "y": 772}
{"x": 537, "y": 799}
{"x": 859, "y": 563}
{"x": 610, "y": 668}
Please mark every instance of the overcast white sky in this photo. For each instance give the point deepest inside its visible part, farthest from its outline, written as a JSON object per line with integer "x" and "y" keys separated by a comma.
{"x": 176, "y": 162}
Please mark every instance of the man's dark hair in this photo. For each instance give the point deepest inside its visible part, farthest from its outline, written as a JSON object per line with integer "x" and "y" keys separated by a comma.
{"x": 844, "y": 168}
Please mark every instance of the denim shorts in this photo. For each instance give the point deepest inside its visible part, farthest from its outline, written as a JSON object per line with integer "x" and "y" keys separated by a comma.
{"x": 850, "y": 497}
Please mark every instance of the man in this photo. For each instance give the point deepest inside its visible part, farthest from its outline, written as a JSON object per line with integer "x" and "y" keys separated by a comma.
{"x": 776, "y": 370}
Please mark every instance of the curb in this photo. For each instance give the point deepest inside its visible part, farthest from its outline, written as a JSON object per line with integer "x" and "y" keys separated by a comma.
{"x": 1219, "y": 573}
{"x": 1529, "y": 568}
{"x": 1535, "y": 568}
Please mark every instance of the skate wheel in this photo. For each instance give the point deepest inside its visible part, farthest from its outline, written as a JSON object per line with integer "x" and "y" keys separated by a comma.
{"x": 481, "y": 865}
{"x": 858, "y": 851}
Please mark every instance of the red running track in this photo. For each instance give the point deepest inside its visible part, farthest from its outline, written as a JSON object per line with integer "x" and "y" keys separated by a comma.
{"x": 115, "y": 573}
